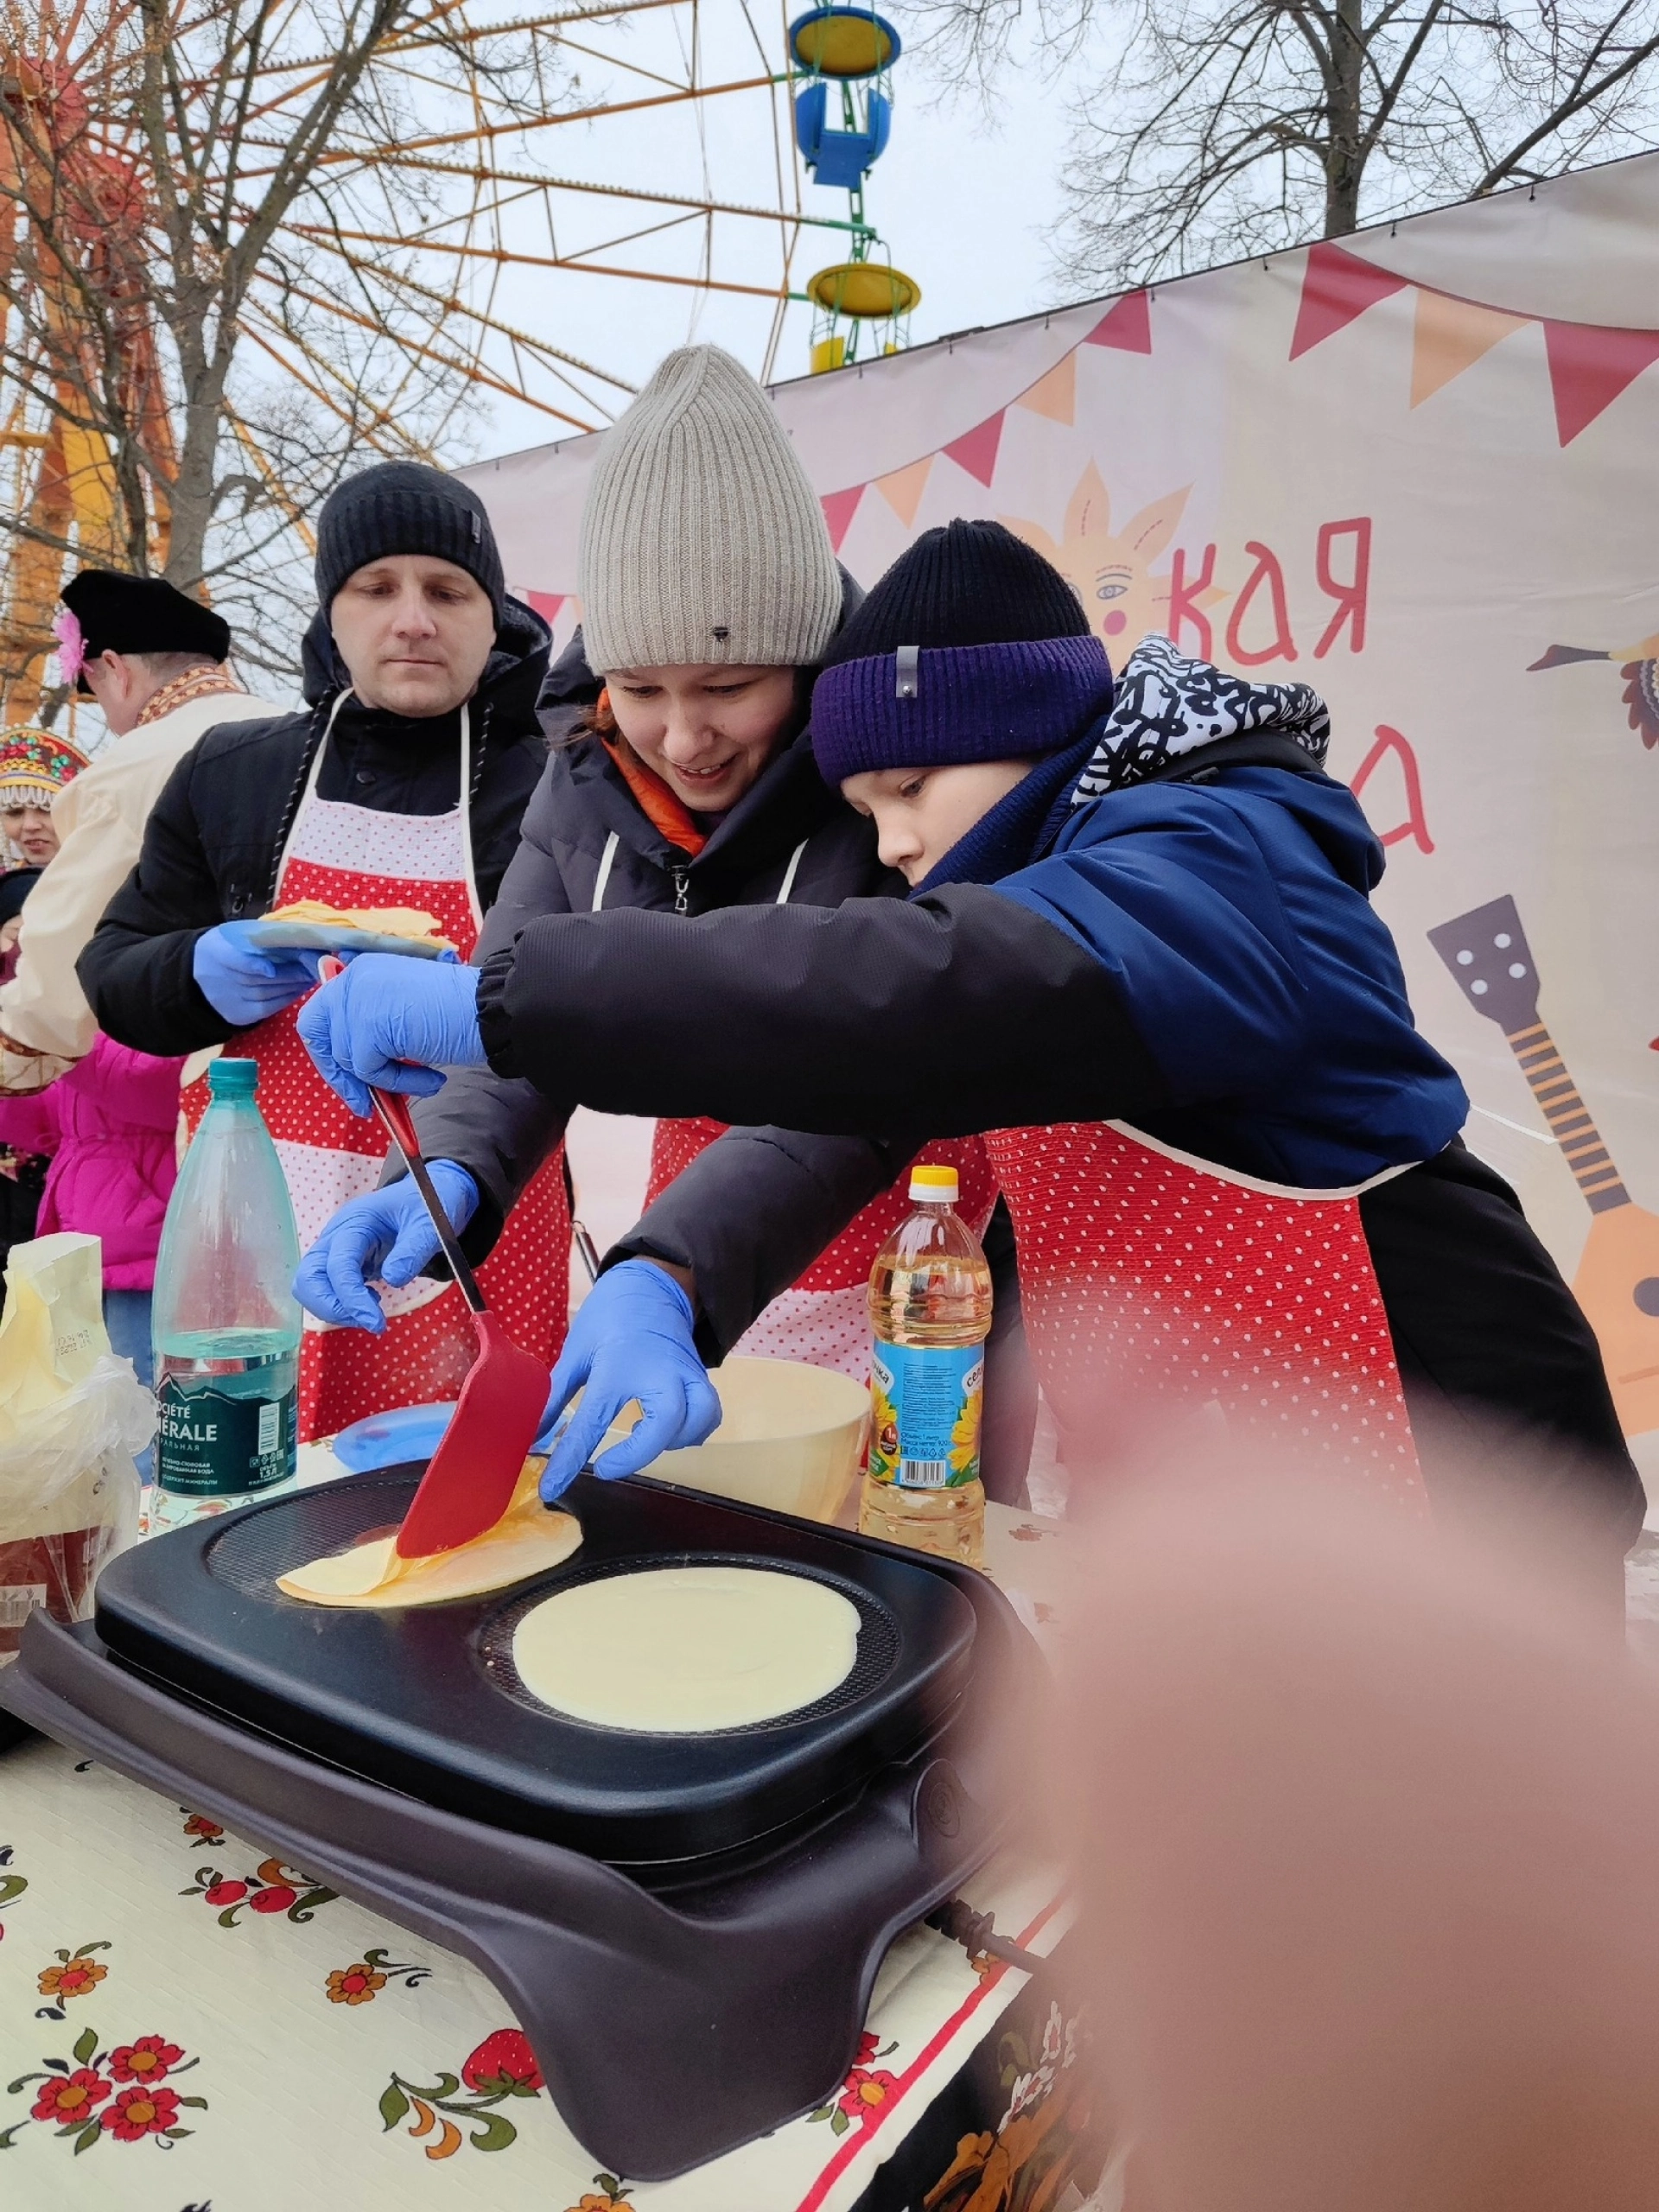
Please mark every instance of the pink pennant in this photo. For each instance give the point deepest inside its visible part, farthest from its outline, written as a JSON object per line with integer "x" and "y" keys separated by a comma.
{"x": 1589, "y": 367}
{"x": 1337, "y": 288}
{"x": 976, "y": 450}
{"x": 1127, "y": 325}
{"x": 547, "y": 604}
{"x": 839, "y": 508}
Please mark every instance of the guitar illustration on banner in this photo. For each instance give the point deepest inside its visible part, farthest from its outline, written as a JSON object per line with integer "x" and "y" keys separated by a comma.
{"x": 1618, "y": 1281}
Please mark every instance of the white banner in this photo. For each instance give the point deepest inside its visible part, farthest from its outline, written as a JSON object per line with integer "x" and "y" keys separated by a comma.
{"x": 1420, "y": 470}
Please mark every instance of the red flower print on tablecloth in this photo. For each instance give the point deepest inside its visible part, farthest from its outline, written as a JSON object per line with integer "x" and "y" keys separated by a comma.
{"x": 151, "y": 2058}
{"x": 361, "y": 1983}
{"x": 76, "y": 1974}
{"x": 203, "y": 1829}
{"x": 140, "y": 2111}
{"x": 867, "y": 2091}
{"x": 504, "y": 2065}
{"x": 272, "y": 1888}
{"x": 66, "y": 2097}
{"x": 69, "y": 2094}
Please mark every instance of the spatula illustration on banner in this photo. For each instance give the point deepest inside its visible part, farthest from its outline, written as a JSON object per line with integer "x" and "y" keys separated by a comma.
{"x": 1618, "y": 1279}
{"x": 470, "y": 1479}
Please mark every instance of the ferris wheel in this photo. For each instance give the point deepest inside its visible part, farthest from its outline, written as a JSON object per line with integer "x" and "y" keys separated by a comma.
{"x": 512, "y": 217}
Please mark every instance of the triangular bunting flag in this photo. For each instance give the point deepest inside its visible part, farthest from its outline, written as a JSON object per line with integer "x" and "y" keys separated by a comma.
{"x": 1337, "y": 288}
{"x": 903, "y": 490}
{"x": 1128, "y": 326}
{"x": 1589, "y": 367}
{"x": 546, "y": 604}
{"x": 1056, "y": 394}
{"x": 1451, "y": 335}
{"x": 976, "y": 450}
{"x": 839, "y": 508}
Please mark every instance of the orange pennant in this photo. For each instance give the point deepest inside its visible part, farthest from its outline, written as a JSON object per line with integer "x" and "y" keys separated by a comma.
{"x": 1451, "y": 335}
{"x": 903, "y": 490}
{"x": 1056, "y": 394}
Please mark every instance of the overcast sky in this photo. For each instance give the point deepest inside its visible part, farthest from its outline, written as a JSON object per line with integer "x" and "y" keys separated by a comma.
{"x": 965, "y": 202}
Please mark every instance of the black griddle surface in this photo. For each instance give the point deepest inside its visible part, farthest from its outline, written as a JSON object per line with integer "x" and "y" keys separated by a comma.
{"x": 426, "y": 1698}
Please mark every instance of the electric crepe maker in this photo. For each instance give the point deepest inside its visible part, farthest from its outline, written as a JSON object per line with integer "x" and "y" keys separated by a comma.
{"x": 687, "y": 1927}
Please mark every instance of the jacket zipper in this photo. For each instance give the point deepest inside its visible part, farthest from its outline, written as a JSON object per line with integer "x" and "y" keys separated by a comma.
{"x": 681, "y": 896}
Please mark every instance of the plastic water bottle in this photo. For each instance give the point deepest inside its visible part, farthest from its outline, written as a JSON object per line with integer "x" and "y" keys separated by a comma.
{"x": 226, "y": 1326}
{"x": 930, "y": 1310}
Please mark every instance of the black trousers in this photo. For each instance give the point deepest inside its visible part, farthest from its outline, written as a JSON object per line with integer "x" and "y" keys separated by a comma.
{"x": 1502, "y": 1375}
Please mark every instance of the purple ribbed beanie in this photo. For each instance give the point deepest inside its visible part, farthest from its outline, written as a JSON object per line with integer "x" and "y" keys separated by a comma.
{"x": 971, "y": 647}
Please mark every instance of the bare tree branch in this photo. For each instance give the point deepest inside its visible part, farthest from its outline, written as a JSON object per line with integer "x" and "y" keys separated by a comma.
{"x": 1211, "y": 129}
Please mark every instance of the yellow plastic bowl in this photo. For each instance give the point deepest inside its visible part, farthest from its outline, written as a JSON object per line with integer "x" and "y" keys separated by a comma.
{"x": 792, "y": 1439}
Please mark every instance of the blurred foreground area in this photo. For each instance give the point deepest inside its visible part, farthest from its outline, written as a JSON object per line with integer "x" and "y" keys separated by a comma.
{"x": 1369, "y": 1874}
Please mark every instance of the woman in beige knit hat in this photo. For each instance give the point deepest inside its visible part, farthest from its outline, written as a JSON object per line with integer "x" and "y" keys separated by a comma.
{"x": 681, "y": 780}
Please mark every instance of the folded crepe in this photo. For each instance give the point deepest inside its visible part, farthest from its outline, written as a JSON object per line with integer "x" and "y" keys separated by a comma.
{"x": 412, "y": 922}
{"x": 527, "y": 1540}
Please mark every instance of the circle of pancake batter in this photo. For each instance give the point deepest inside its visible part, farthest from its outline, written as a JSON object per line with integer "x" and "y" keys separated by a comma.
{"x": 685, "y": 1650}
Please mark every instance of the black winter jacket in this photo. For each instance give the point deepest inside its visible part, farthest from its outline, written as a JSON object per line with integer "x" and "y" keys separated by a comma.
{"x": 583, "y": 823}
{"x": 215, "y": 838}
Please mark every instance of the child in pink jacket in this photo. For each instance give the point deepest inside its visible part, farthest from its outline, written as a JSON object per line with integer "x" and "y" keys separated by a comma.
{"x": 110, "y": 1124}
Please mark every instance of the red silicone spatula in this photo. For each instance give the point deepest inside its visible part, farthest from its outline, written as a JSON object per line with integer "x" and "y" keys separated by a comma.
{"x": 470, "y": 1479}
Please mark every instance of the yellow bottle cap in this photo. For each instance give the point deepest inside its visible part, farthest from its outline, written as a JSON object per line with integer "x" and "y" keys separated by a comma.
{"x": 936, "y": 1185}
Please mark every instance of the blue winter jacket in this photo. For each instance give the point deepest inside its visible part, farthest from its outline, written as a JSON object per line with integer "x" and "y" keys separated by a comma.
{"x": 1197, "y": 957}
{"x": 1233, "y": 919}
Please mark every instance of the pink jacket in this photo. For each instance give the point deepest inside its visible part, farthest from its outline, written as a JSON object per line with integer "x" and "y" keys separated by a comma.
{"x": 110, "y": 1125}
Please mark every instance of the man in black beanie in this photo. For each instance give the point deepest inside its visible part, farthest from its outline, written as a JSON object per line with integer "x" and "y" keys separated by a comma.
{"x": 401, "y": 787}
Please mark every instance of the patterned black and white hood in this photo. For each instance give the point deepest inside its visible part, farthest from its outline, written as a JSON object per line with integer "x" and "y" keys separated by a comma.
{"x": 1166, "y": 705}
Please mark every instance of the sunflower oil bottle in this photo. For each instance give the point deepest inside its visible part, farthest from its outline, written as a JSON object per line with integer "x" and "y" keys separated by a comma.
{"x": 930, "y": 1312}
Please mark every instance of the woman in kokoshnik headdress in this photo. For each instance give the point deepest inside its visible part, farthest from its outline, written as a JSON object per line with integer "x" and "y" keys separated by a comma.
{"x": 682, "y": 781}
{"x": 34, "y": 765}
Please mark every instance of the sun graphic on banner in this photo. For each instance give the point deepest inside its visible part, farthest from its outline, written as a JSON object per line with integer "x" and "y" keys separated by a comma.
{"x": 1112, "y": 571}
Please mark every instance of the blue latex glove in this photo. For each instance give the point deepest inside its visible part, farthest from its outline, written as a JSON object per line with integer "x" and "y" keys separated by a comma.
{"x": 631, "y": 1339}
{"x": 394, "y": 1023}
{"x": 386, "y": 1234}
{"x": 245, "y": 984}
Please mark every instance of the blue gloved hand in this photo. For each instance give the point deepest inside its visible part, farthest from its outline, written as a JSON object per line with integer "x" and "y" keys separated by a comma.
{"x": 393, "y": 1023}
{"x": 245, "y": 984}
{"x": 386, "y": 1234}
{"x": 631, "y": 1339}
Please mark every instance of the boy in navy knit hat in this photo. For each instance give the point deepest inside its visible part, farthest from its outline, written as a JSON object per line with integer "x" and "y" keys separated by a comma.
{"x": 1138, "y": 954}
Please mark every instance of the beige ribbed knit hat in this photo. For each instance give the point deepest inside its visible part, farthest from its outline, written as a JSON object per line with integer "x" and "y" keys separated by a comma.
{"x": 702, "y": 539}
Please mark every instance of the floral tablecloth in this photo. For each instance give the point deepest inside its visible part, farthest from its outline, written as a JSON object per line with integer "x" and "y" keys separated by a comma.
{"x": 186, "y": 2021}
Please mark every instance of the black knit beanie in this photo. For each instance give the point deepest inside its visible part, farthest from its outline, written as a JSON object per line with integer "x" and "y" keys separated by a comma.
{"x": 969, "y": 584}
{"x": 971, "y": 647}
{"x": 402, "y": 506}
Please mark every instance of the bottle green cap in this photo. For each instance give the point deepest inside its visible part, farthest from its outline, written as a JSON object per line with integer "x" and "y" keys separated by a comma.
{"x": 232, "y": 1078}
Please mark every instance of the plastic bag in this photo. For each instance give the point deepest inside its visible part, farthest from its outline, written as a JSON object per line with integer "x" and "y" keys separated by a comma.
{"x": 72, "y": 1417}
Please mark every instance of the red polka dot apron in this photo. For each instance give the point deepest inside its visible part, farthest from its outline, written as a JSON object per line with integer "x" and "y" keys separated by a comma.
{"x": 351, "y": 856}
{"x": 1153, "y": 1283}
{"x": 823, "y": 1318}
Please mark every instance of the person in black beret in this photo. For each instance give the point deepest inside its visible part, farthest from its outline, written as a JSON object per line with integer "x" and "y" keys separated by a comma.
{"x": 155, "y": 662}
{"x": 121, "y": 639}
{"x": 401, "y": 785}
